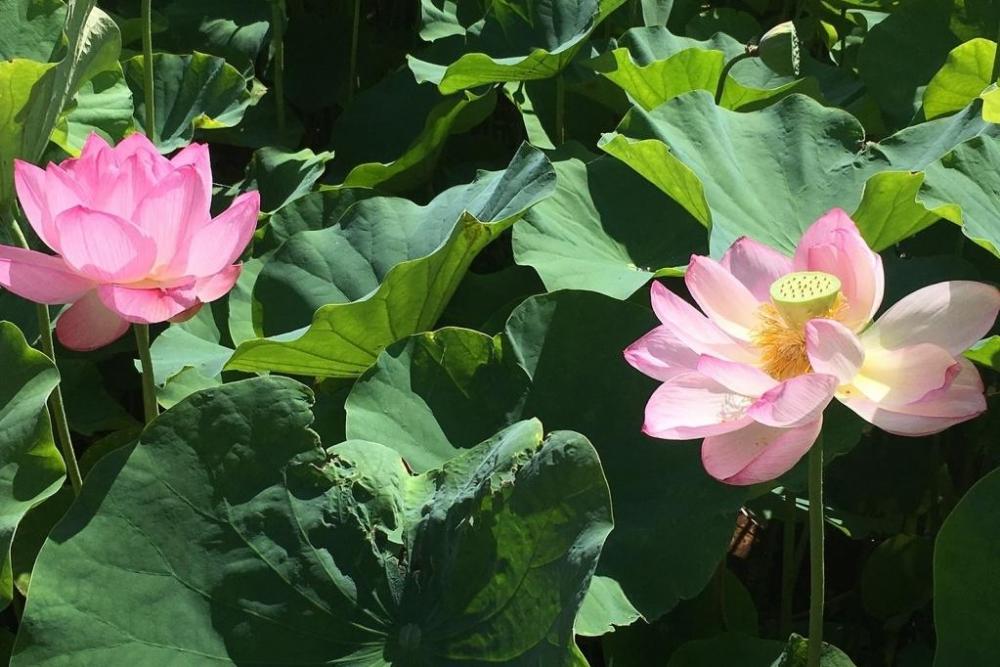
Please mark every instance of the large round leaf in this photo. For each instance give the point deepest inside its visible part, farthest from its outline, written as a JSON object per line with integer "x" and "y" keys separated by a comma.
{"x": 963, "y": 77}
{"x": 32, "y": 468}
{"x": 191, "y": 91}
{"x": 229, "y": 515}
{"x": 770, "y": 174}
{"x": 559, "y": 359}
{"x": 384, "y": 272}
{"x": 966, "y": 585}
{"x": 606, "y": 229}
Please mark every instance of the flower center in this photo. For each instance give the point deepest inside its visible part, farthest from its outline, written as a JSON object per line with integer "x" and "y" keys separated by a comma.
{"x": 801, "y": 296}
{"x": 795, "y": 299}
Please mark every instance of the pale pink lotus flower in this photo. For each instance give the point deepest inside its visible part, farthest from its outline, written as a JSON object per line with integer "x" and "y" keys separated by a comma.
{"x": 133, "y": 237}
{"x": 781, "y": 336}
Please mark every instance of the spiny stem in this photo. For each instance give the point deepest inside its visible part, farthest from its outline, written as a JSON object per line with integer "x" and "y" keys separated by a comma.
{"x": 147, "y": 68}
{"x": 817, "y": 588}
{"x": 788, "y": 567}
{"x": 56, "y": 407}
{"x": 353, "y": 70}
{"x": 278, "y": 45}
{"x": 150, "y": 408}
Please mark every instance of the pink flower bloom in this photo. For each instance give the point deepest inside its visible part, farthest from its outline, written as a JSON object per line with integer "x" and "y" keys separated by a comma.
{"x": 133, "y": 237}
{"x": 781, "y": 336}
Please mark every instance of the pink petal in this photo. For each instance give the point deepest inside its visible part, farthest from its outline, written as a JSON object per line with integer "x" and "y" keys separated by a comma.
{"x": 127, "y": 187}
{"x": 139, "y": 144}
{"x": 757, "y": 453}
{"x": 88, "y": 325}
{"x": 217, "y": 286}
{"x": 660, "y": 355}
{"x": 795, "y": 402}
{"x": 219, "y": 243}
{"x": 147, "y": 306}
{"x": 104, "y": 247}
{"x": 691, "y": 405}
{"x": 737, "y": 377}
{"x": 40, "y": 278}
{"x": 756, "y": 266}
{"x": 834, "y": 245}
{"x": 904, "y": 375}
{"x": 32, "y": 191}
{"x": 169, "y": 212}
{"x": 91, "y": 170}
{"x": 953, "y": 315}
{"x": 833, "y": 349}
{"x": 722, "y": 297}
{"x": 694, "y": 329}
{"x": 197, "y": 156}
{"x": 962, "y": 400}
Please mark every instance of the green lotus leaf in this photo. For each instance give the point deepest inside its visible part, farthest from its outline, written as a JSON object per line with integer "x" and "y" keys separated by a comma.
{"x": 33, "y": 469}
{"x": 384, "y": 272}
{"x": 769, "y": 174}
{"x": 605, "y": 229}
{"x": 191, "y": 91}
{"x": 965, "y": 74}
{"x": 519, "y": 40}
{"x": 433, "y": 395}
{"x": 966, "y": 590}
{"x": 279, "y": 551}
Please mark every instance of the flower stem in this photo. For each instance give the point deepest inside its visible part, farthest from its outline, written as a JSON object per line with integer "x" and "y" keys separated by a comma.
{"x": 353, "y": 71}
{"x": 817, "y": 590}
{"x": 788, "y": 567}
{"x": 56, "y": 407}
{"x": 149, "y": 406}
{"x": 147, "y": 68}
{"x": 996, "y": 58}
{"x": 278, "y": 45}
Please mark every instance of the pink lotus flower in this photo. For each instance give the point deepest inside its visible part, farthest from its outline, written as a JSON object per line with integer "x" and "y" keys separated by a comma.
{"x": 781, "y": 336}
{"x": 133, "y": 237}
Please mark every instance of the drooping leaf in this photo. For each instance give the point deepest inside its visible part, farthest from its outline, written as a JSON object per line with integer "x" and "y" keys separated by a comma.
{"x": 191, "y": 92}
{"x": 966, "y": 588}
{"x": 520, "y": 40}
{"x": 605, "y": 229}
{"x": 33, "y": 469}
{"x": 384, "y": 272}
{"x": 444, "y": 18}
{"x": 277, "y": 551}
{"x": 965, "y": 74}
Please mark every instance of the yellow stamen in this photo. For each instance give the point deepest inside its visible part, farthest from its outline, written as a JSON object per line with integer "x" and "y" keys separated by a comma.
{"x": 783, "y": 346}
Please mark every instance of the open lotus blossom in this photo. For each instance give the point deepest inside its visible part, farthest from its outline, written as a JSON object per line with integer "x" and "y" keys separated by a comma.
{"x": 781, "y": 336}
{"x": 133, "y": 237}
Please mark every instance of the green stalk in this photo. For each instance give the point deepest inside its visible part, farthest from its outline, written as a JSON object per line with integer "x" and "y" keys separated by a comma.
{"x": 149, "y": 406}
{"x": 560, "y": 137}
{"x": 788, "y": 567}
{"x": 57, "y": 410}
{"x": 817, "y": 589}
{"x": 725, "y": 74}
{"x": 353, "y": 71}
{"x": 278, "y": 45}
{"x": 147, "y": 69}
{"x": 56, "y": 407}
